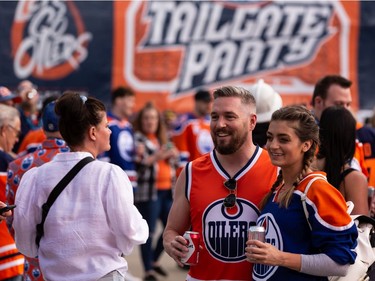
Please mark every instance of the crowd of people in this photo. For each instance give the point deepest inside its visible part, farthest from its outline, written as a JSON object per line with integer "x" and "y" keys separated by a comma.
{"x": 240, "y": 158}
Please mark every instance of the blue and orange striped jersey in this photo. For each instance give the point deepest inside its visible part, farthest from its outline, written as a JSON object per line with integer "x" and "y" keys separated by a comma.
{"x": 333, "y": 231}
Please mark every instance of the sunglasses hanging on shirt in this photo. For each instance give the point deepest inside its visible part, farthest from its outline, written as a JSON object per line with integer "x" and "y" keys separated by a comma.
{"x": 230, "y": 200}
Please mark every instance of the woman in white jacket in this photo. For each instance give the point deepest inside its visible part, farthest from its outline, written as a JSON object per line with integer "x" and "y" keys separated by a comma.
{"x": 93, "y": 222}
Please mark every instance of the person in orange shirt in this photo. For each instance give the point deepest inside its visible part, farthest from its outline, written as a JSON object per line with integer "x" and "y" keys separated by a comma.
{"x": 218, "y": 194}
{"x": 34, "y": 138}
{"x": 11, "y": 261}
{"x": 156, "y": 171}
{"x": 366, "y": 137}
{"x": 192, "y": 134}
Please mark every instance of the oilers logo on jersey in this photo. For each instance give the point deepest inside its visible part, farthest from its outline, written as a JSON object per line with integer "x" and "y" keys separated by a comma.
{"x": 273, "y": 237}
{"x": 204, "y": 141}
{"x": 125, "y": 140}
{"x": 225, "y": 230}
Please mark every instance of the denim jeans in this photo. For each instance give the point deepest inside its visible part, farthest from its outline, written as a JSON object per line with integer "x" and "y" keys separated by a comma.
{"x": 164, "y": 204}
{"x": 147, "y": 210}
{"x": 151, "y": 212}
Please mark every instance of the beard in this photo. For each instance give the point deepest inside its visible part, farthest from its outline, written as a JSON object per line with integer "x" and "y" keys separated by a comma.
{"x": 236, "y": 141}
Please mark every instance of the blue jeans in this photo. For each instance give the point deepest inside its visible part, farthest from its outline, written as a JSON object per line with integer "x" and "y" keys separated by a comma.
{"x": 163, "y": 207}
{"x": 151, "y": 212}
{"x": 147, "y": 210}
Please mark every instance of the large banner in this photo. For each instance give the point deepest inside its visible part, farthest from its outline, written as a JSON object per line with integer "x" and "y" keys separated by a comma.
{"x": 58, "y": 45}
{"x": 166, "y": 50}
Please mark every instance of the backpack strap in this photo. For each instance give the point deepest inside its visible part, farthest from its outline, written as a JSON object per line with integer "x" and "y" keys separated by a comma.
{"x": 367, "y": 220}
{"x": 364, "y": 219}
{"x": 56, "y": 192}
{"x": 304, "y": 195}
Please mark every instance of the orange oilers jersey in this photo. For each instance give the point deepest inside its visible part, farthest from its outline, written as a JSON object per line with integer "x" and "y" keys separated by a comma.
{"x": 11, "y": 261}
{"x": 359, "y": 156}
{"x": 32, "y": 140}
{"x": 366, "y": 135}
{"x": 192, "y": 138}
{"x": 325, "y": 200}
{"x": 224, "y": 230}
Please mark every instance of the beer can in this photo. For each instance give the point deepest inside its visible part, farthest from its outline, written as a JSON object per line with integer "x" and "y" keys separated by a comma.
{"x": 257, "y": 233}
{"x": 193, "y": 240}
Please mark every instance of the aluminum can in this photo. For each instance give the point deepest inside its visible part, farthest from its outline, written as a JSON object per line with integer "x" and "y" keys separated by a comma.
{"x": 257, "y": 233}
{"x": 193, "y": 240}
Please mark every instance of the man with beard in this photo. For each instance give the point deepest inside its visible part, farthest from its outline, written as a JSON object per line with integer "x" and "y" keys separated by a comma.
{"x": 218, "y": 194}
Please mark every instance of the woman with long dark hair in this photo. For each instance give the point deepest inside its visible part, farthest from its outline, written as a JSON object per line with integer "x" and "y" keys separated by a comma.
{"x": 156, "y": 170}
{"x": 336, "y": 152}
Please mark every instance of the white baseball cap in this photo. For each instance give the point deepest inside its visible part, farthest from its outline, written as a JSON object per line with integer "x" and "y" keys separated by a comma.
{"x": 267, "y": 100}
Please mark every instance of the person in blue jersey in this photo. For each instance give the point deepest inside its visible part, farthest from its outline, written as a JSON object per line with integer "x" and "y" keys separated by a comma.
{"x": 300, "y": 246}
{"x": 123, "y": 151}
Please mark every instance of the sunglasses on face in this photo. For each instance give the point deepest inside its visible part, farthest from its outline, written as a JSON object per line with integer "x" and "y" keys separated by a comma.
{"x": 230, "y": 200}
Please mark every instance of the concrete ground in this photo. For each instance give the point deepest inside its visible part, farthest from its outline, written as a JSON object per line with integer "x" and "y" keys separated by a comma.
{"x": 175, "y": 273}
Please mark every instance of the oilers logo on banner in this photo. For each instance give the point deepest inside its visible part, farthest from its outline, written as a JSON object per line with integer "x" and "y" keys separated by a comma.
{"x": 49, "y": 39}
{"x": 225, "y": 229}
{"x": 273, "y": 237}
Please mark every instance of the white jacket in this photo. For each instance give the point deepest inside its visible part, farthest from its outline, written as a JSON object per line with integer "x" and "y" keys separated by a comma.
{"x": 90, "y": 225}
